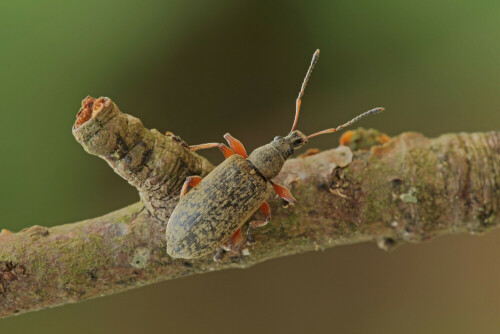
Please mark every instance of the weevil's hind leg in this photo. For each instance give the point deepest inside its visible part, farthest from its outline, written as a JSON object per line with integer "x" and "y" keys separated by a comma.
{"x": 191, "y": 181}
{"x": 224, "y": 149}
{"x": 284, "y": 193}
{"x": 236, "y": 145}
{"x": 228, "y": 245}
{"x": 233, "y": 242}
{"x": 218, "y": 255}
{"x": 266, "y": 210}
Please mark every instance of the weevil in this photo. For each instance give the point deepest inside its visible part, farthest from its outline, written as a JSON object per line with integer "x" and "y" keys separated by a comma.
{"x": 210, "y": 216}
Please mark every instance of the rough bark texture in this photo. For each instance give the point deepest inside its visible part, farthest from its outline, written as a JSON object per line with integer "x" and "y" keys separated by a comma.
{"x": 155, "y": 164}
{"x": 409, "y": 189}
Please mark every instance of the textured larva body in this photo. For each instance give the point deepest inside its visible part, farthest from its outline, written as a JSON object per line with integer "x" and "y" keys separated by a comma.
{"x": 210, "y": 213}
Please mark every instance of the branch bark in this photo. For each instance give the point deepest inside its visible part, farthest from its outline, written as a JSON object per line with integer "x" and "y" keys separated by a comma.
{"x": 409, "y": 189}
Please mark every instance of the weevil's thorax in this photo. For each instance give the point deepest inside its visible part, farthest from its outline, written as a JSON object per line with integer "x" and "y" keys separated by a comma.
{"x": 269, "y": 159}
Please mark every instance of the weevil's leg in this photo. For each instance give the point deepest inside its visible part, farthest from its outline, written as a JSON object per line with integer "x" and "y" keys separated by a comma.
{"x": 218, "y": 255}
{"x": 177, "y": 139}
{"x": 224, "y": 149}
{"x": 228, "y": 245}
{"x": 266, "y": 210}
{"x": 233, "y": 242}
{"x": 284, "y": 193}
{"x": 236, "y": 145}
{"x": 191, "y": 181}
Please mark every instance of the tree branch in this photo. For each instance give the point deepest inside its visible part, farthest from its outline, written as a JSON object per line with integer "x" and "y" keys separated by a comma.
{"x": 409, "y": 189}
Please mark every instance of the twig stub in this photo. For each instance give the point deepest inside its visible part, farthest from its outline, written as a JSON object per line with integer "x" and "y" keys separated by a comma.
{"x": 409, "y": 189}
{"x": 155, "y": 164}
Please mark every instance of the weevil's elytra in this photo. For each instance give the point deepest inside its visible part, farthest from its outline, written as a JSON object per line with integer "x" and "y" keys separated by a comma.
{"x": 210, "y": 215}
{"x": 222, "y": 206}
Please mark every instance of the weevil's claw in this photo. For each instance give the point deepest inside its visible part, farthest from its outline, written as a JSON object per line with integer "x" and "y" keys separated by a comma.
{"x": 286, "y": 204}
{"x": 250, "y": 238}
{"x": 218, "y": 255}
{"x": 177, "y": 139}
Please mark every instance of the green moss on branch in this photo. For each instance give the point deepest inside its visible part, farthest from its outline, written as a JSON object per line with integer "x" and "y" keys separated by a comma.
{"x": 409, "y": 189}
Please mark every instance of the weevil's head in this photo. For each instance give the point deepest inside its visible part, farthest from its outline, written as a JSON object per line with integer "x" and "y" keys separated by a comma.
{"x": 269, "y": 159}
{"x": 287, "y": 145}
{"x": 269, "y": 162}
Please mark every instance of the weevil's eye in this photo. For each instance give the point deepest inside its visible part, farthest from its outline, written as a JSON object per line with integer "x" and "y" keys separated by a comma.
{"x": 297, "y": 142}
{"x": 277, "y": 138}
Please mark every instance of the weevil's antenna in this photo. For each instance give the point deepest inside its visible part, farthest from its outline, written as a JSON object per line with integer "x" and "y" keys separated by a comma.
{"x": 354, "y": 120}
{"x": 304, "y": 83}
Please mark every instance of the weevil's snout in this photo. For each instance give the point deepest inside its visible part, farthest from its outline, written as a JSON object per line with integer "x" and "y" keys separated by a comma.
{"x": 297, "y": 139}
{"x": 287, "y": 145}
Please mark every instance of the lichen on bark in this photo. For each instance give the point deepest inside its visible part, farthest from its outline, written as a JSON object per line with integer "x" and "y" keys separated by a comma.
{"x": 154, "y": 163}
{"x": 409, "y": 189}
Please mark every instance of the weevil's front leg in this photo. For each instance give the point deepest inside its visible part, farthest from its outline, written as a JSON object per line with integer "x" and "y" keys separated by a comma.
{"x": 284, "y": 193}
{"x": 236, "y": 145}
{"x": 224, "y": 149}
{"x": 266, "y": 210}
{"x": 176, "y": 138}
{"x": 191, "y": 181}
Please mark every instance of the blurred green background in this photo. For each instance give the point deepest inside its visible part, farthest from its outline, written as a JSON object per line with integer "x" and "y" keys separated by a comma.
{"x": 200, "y": 69}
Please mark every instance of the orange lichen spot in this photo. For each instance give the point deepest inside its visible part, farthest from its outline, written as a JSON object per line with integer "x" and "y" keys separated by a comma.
{"x": 363, "y": 139}
{"x": 309, "y": 152}
{"x": 85, "y": 112}
{"x": 99, "y": 104}
{"x": 5, "y": 231}
{"x": 383, "y": 138}
{"x": 346, "y": 137}
{"x": 90, "y": 107}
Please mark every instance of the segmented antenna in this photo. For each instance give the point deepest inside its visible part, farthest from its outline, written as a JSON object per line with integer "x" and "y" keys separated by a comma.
{"x": 304, "y": 83}
{"x": 354, "y": 120}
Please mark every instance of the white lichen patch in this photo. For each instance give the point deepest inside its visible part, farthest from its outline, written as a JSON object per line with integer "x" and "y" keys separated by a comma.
{"x": 140, "y": 258}
{"x": 409, "y": 197}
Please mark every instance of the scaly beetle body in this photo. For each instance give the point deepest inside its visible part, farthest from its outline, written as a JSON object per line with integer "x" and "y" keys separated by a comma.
{"x": 215, "y": 209}
{"x": 209, "y": 217}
